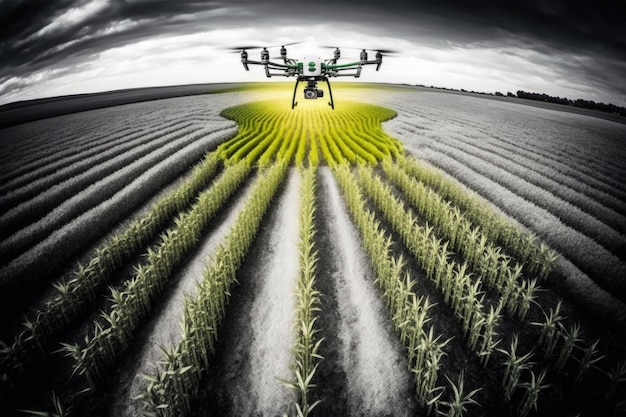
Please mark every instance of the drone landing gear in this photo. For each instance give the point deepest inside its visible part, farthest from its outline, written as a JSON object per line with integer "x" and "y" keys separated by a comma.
{"x": 331, "y": 103}
{"x": 311, "y": 91}
{"x": 293, "y": 100}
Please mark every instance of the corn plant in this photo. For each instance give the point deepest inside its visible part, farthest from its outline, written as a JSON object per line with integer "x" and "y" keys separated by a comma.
{"x": 531, "y": 393}
{"x": 457, "y": 406}
{"x": 590, "y": 358}
{"x": 570, "y": 338}
{"x": 514, "y": 365}
{"x": 426, "y": 370}
{"x": 488, "y": 337}
{"x": 548, "y": 337}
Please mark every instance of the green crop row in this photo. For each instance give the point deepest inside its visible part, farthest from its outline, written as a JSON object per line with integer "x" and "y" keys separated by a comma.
{"x": 73, "y": 296}
{"x": 179, "y": 374}
{"x": 484, "y": 258}
{"x": 462, "y": 294}
{"x": 270, "y": 131}
{"x": 306, "y": 346}
{"x": 538, "y": 257}
{"x": 409, "y": 313}
{"x": 131, "y": 305}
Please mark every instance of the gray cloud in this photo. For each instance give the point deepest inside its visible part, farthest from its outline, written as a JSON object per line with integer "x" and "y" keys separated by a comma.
{"x": 589, "y": 36}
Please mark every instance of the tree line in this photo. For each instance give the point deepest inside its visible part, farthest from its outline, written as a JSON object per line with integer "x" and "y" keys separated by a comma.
{"x": 587, "y": 104}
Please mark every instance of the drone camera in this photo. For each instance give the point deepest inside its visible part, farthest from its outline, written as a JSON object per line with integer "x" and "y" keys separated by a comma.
{"x": 313, "y": 93}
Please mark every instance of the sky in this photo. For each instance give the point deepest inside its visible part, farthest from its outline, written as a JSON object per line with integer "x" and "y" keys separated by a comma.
{"x": 565, "y": 48}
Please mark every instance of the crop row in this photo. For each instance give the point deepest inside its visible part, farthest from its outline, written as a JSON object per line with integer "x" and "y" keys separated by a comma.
{"x": 73, "y": 296}
{"x": 482, "y": 256}
{"x": 179, "y": 375}
{"x": 462, "y": 294}
{"x": 409, "y": 313}
{"x": 62, "y": 202}
{"x": 41, "y": 165}
{"x": 307, "y": 344}
{"x": 36, "y": 268}
{"x": 562, "y": 346}
{"x": 590, "y": 257}
{"x": 545, "y": 177}
{"x": 131, "y": 305}
{"x": 524, "y": 247}
{"x": 567, "y": 142}
{"x": 55, "y": 145}
{"x": 92, "y": 161}
{"x": 508, "y": 175}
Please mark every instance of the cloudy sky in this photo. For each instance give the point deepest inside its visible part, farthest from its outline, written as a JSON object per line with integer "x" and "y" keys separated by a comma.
{"x": 570, "y": 48}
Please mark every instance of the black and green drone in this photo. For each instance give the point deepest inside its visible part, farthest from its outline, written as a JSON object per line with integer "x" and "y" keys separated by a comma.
{"x": 310, "y": 69}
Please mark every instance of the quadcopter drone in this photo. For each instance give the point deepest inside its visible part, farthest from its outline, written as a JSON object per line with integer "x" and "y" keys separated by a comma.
{"x": 311, "y": 69}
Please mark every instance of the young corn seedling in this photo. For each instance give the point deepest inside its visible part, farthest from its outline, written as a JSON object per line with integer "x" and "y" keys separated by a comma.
{"x": 426, "y": 369}
{"x": 570, "y": 339}
{"x": 457, "y": 406}
{"x": 531, "y": 395}
{"x": 590, "y": 357}
{"x": 548, "y": 337}
{"x": 488, "y": 335}
{"x": 514, "y": 365}
{"x": 526, "y": 297}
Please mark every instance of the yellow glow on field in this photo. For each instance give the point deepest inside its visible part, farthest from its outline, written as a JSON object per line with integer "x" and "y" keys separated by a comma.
{"x": 312, "y": 132}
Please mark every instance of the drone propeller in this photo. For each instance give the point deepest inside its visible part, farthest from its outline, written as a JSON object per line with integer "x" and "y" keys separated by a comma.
{"x": 240, "y": 48}
{"x": 383, "y": 51}
{"x": 387, "y": 51}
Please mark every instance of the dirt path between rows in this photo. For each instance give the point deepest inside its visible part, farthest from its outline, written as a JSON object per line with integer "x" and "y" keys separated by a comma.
{"x": 362, "y": 348}
{"x": 254, "y": 350}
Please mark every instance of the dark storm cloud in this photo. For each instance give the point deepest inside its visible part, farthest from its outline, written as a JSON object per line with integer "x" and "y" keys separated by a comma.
{"x": 24, "y": 40}
{"x": 41, "y": 34}
{"x": 565, "y": 25}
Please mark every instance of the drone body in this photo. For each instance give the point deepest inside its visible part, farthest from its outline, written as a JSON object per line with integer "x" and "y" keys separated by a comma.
{"x": 311, "y": 69}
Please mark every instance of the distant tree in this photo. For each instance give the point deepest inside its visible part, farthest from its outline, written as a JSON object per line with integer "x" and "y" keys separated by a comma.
{"x": 499, "y": 94}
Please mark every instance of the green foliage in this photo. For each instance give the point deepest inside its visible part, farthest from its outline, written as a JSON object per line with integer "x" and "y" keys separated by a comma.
{"x": 129, "y": 306}
{"x": 75, "y": 295}
{"x": 537, "y": 257}
{"x": 180, "y": 372}
{"x": 271, "y": 130}
{"x": 409, "y": 313}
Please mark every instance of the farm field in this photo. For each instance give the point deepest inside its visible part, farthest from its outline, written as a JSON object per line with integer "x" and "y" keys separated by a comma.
{"x": 411, "y": 253}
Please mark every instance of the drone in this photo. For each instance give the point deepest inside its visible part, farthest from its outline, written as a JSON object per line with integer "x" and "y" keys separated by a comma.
{"x": 311, "y": 69}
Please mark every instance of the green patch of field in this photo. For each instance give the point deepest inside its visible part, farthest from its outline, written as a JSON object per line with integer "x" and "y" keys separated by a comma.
{"x": 312, "y": 132}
